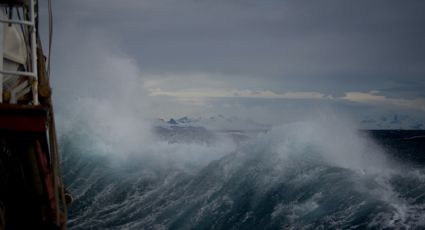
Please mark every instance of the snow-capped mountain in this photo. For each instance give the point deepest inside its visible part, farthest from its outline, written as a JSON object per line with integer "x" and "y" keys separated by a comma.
{"x": 217, "y": 123}
{"x": 392, "y": 121}
{"x": 207, "y": 130}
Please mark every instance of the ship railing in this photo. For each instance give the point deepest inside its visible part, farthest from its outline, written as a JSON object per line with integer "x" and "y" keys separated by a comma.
{"x": 33, "y": 74}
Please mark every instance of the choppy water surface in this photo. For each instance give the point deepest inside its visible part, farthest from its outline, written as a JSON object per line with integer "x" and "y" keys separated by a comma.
{"x": 302, "y": 175}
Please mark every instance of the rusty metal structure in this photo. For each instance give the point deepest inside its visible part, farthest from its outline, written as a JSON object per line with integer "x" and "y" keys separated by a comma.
{"x": 31, "y": 189}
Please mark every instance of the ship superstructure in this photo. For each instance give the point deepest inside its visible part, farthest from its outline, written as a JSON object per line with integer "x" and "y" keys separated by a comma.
{"x": 31, "y": 189}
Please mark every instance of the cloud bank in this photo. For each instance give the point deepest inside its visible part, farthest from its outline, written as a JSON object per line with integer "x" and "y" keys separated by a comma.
{"x": 200, "y": 57}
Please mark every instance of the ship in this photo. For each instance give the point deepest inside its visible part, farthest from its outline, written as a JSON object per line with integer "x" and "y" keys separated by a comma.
{"x": 32, "y": 193}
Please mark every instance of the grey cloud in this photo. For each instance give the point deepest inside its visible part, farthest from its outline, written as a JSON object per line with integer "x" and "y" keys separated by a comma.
{"x": 275, "y": 38}
{"x": 328, "y": 46}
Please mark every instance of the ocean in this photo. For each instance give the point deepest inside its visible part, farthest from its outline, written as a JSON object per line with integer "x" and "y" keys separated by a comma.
{"x": 305, "y": 175}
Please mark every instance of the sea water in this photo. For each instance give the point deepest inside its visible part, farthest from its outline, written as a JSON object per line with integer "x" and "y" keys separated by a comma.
{"x": 306, "y": 175}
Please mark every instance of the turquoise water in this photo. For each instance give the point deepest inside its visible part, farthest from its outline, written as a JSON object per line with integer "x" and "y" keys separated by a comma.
{"x": 297, "y": 176}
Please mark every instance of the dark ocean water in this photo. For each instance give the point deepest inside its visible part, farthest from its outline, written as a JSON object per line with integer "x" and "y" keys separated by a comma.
{"x": 404, "y": 145}
{"x": 292, "y": 177}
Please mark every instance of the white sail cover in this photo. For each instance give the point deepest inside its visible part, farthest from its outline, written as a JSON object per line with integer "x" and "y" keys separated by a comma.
{"x": 14, "y": 48}
{"x": 13, "y": 54}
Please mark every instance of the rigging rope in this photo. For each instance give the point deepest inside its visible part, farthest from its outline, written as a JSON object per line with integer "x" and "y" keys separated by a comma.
{"x": 50, "y": 35}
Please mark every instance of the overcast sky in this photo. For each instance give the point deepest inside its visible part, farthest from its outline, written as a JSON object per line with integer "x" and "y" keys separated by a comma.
{"x": 259, "y": 59}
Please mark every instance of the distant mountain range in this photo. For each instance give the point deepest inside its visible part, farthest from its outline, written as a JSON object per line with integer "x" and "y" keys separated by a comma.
{"x": 222, "y": 123}
{"x": 392, "y": 121}
{"x": 218, "y": 122}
